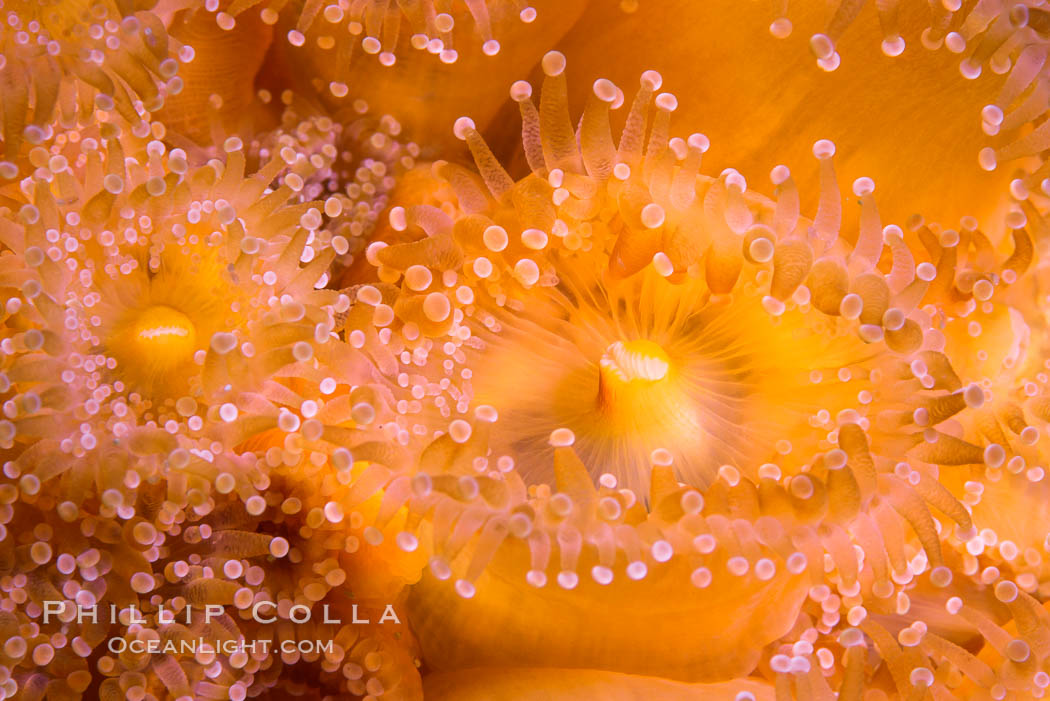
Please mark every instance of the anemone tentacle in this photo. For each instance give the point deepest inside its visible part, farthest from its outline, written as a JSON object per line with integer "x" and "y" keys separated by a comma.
{"x": 64, "y": 61}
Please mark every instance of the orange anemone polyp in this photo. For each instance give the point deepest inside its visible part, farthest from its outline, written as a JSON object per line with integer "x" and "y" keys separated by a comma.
{"x": 614, "y": 278}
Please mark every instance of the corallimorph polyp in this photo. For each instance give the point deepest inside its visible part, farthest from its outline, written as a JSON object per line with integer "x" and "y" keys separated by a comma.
{"x": 167, "y": 356}
{"x": 654, "y": 380}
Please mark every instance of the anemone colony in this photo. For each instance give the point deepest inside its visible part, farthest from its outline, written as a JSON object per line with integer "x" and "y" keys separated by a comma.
{"x": 595, "y": 417}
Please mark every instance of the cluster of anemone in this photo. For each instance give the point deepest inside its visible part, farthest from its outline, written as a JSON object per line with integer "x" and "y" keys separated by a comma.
{"x": 624, "y": 427}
